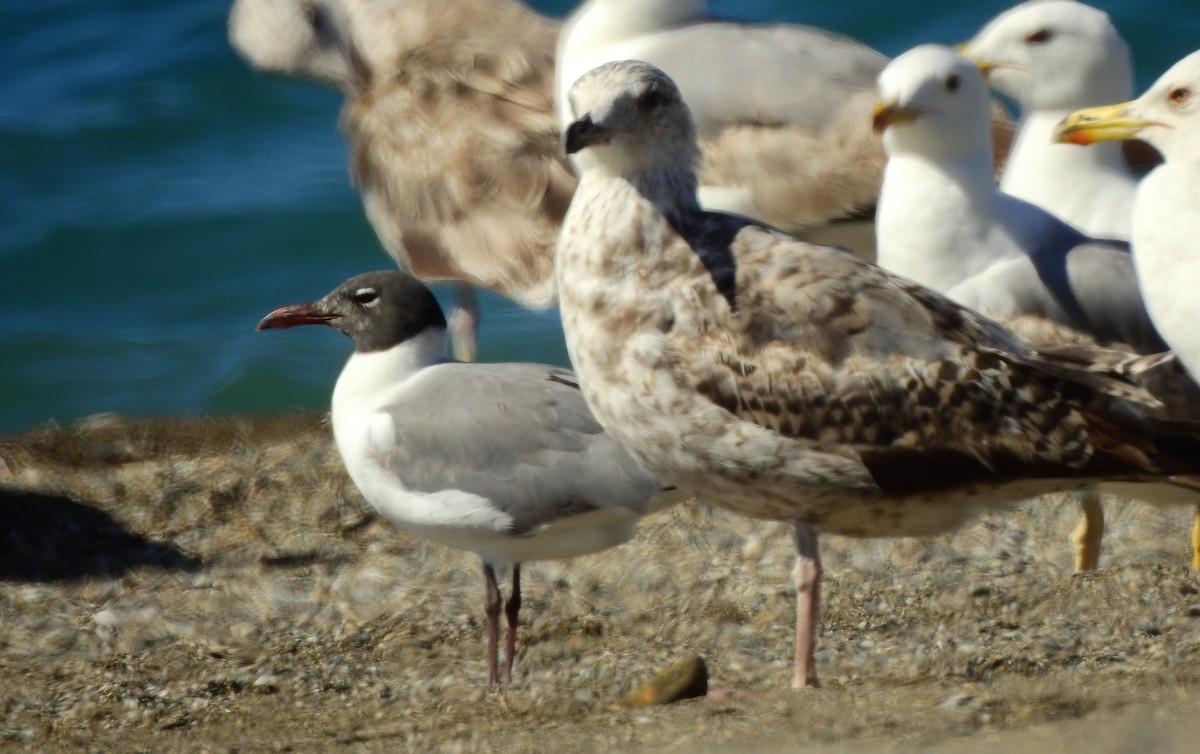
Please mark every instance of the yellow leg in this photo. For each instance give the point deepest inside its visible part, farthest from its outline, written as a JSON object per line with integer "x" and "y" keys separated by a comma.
{"x": 1090, "y": 532}
{"x": 1196, "y": 540}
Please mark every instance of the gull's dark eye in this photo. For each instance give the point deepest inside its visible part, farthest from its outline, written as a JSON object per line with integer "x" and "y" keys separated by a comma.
{"x": 1039, "y": 37}
{"x": 1180, "y": 96}
{"x": 365, "y": 296}
{"x": 952, "y": 82}
{"x": 318, "y": 19}
{"x": 651, "y": 98}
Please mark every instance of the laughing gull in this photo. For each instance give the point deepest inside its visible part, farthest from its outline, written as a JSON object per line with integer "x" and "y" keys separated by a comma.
{"x": 782, "y": 110}
{"x": 943, "y": 222}
{"x": 453, "y": 140}
{"x": 795, "y": 382}
{"x": 1166, "y": 210}
{"x": 503, "y": 460}
{"x": 1053, "y": 57}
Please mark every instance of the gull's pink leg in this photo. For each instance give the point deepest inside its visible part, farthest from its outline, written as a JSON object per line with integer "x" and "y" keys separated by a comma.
{"x": 807, "y": 576}
{"x": 491, "y": 608}
{"x": 511, "y": 608}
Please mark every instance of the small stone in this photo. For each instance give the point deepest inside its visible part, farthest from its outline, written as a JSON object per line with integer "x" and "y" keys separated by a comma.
{"x": 106, "y": 619}
{"x": 753, "y": 548}
{"x": 685, "y": 679}
{"x": 267, "y": 683}
{"x": 955, "y": 701}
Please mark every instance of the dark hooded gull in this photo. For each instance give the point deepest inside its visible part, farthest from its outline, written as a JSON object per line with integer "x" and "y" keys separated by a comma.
{"x": 503, "y": 460}
{"x": 1166, "y": 210}
{"x": 1053, "y": 57}
{"x": 794, "y": 382}
{"x": 782, "y": 110}
{"x": 453, "y": 141}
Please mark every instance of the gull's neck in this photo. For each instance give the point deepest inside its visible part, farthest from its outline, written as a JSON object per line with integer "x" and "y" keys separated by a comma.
{"x": 370, "y": 377}
{"x": 672, "y": 190}
{"x": 1090, "y": 188}
{"x": 932, "y": 214}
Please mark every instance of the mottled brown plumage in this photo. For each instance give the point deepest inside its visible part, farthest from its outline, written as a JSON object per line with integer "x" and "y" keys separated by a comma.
{"x": 791, "y": 381}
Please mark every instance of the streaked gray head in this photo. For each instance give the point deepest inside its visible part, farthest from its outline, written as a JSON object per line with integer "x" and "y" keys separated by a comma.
{"x": 1054, "y": 54}
{"x": 629, "y": 116}
{"x": 378, "y": 310}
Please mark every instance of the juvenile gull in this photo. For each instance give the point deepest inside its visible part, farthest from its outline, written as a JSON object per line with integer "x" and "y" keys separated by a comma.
{"x": 999, "y": 254}
{"x": 1053, "y": 57}
{"x": 503, "y": 460}
{"x": 792, "y": 381}
{"x": 1166, "y": 210}
{"x": 453, "y": 141}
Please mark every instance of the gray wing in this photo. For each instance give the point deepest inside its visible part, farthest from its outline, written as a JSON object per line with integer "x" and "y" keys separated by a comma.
{"x": 780, "y": 73}
{"x": 520, "y": 435}
{"x": 1074, "y": 280}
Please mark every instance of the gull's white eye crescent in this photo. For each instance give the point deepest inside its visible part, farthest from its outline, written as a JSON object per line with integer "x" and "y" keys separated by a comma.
{"x": 366, "y": 297}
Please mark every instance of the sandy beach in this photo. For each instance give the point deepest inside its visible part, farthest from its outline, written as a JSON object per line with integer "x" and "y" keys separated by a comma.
{"x": 219, "y": 585}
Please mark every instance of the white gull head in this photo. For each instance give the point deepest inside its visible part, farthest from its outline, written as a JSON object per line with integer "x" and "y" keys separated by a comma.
{"x": 935, "y": 103}
{"x": 1054, "y": 54}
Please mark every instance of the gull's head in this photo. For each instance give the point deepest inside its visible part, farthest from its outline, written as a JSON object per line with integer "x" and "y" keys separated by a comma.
{"x": 293, "y": 37}
{"x": 934, "y": 103}
{"x": 628, "y": 117}
{"x": 378, "y": 310}
{"x": 339, "y": 42}
{"x": 1053, "y": 54}
{"x": 1167, "y": 117}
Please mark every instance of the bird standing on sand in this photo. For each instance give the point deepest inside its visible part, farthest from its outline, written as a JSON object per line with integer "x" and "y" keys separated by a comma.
{"x": 503, "y": 460}
{"x": 794, "y": 382}
{"x": 943, "y": 223}
{"x": 1166, "y": 209}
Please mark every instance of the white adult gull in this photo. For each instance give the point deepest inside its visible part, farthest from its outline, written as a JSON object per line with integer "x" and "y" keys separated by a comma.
{"x": 1053, "y": 57}
{"x": 795, "y": 382}
{"x": 999, "y": 254}
{"x": 943, "y": 222}
{"x": 503, "y": 460}
{"x": 453, "y": 140}
{"x": 1166, "y": 211}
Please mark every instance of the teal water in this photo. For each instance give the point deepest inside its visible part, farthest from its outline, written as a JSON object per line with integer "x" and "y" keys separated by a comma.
{"x": 157, "y": 198}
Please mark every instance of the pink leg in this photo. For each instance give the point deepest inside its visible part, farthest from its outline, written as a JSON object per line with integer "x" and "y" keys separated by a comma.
{"x": 491, "y": 608}
{"x": 511, "y": 608}
{"x": 807, "y": 576}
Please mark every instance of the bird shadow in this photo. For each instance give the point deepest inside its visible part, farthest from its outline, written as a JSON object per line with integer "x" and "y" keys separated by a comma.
{"x": 54, "y": 538}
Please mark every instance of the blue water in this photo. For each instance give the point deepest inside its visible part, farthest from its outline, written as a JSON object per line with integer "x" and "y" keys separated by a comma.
{"x": 157, "y": 198}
